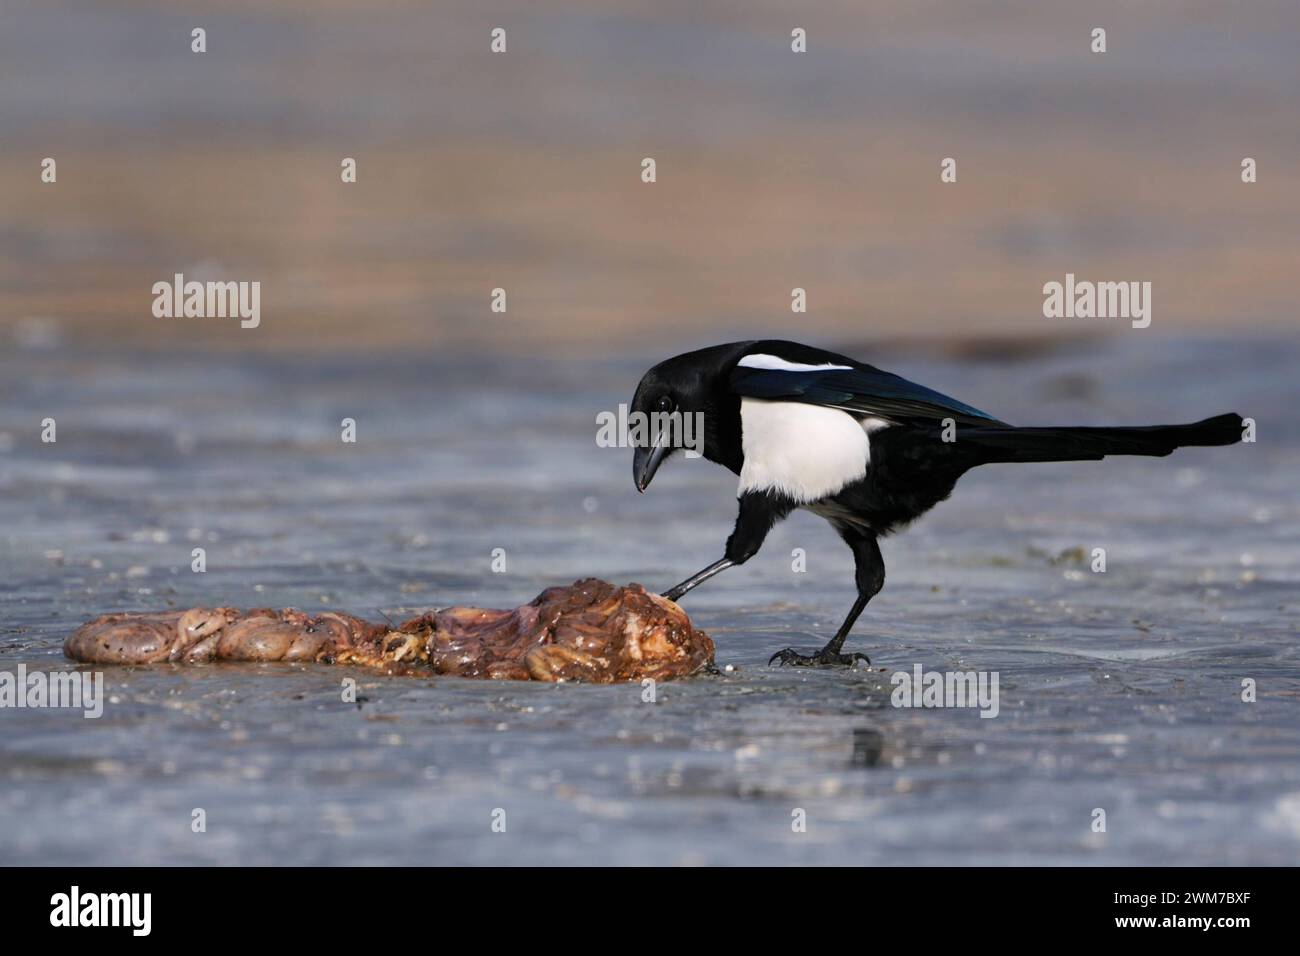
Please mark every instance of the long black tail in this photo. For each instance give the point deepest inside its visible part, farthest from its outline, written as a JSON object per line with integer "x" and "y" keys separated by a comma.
{"x": 990, "y": 445}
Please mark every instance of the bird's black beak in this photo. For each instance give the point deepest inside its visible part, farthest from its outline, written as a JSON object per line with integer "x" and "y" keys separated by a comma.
{"x": 646, "y": 461}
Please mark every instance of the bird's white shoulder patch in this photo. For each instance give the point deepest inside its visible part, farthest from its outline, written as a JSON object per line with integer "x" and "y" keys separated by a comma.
{"x": 804, "y": 451}
{"x": 781, "y": 365}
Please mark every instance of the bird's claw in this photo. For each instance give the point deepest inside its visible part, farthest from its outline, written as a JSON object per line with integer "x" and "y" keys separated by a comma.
{"x": 821, "y": 659}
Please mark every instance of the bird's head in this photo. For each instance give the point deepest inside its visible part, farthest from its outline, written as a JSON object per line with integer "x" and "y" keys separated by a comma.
{"x": 684, "y": 404}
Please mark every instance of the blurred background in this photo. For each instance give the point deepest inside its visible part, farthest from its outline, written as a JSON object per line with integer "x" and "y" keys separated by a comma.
{"x": 522, "y": 171}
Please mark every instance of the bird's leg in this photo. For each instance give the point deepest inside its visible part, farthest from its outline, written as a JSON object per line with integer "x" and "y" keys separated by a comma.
{"x": 830, "y": 654}
{"x": 758, "y": 512}
{"x": 870, "y": 579}
{"x": 699, "y": 577}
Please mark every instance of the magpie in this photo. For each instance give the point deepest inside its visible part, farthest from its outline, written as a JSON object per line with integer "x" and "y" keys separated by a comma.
{"x": 865, "y": 449}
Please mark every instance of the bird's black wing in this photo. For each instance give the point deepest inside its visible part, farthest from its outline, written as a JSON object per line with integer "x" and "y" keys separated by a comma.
{"x": 860, "y": 388}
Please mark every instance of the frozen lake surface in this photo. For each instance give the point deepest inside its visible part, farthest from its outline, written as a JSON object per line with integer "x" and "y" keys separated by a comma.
{"x": 1119, "y": 690}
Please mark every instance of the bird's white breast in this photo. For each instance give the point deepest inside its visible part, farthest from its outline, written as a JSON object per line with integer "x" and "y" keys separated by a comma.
{"x": 804, "y": 451}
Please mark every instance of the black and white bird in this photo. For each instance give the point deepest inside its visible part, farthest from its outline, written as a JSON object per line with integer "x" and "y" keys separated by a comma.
{"x": 867, "y": 450}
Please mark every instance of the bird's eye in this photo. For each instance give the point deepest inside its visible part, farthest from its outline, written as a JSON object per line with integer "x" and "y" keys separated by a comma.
{"x": 665, "y": 404}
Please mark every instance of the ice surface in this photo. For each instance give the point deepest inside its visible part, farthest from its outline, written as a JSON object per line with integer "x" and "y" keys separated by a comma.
{"x": 1119, "y": 690}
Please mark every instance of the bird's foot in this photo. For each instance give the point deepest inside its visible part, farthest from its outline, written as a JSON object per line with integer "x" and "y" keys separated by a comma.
{"x": 822, "y": 658}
